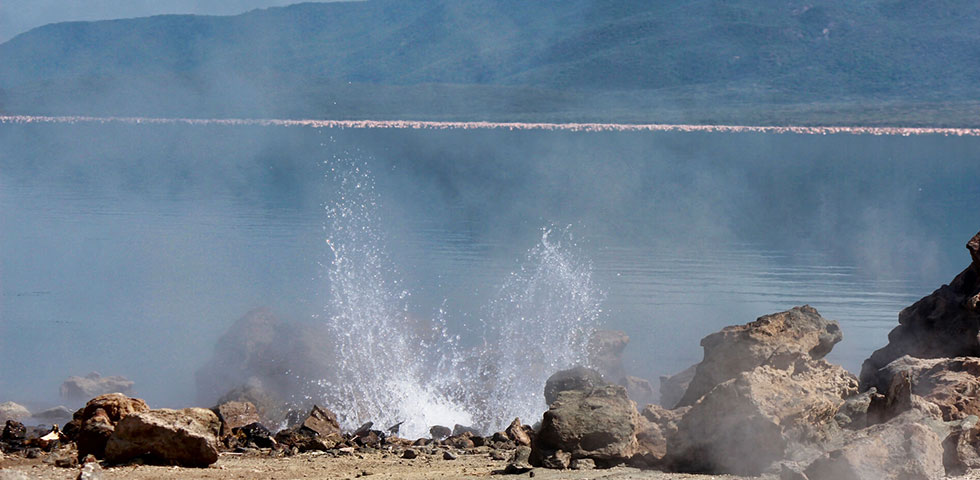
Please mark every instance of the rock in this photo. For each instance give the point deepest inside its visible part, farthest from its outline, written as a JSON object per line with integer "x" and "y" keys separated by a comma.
{"x": 944, "y": 324}
{"x": 762, "y": 416}
{"x": 461, "y": 429}
{"x": 13, "y": 411}
{"x": 187, "y": 437}
{"x": 254, "y": 434}
{"x": 80, "y": 389}
{"x": 640, "y": 390}
{"x": 13, "y": 431}
{"x": 558, "y": 460}
{"x": 576, "y": 378}
{"x": 370, "y": 438}
{"x": 305, "y": 440}
{"x": 91, "y": 471}
{"x": 655, "y": 424}
{"x": 582, "y": 464}
{"x": 952, "y": 384}
{"x": 461, "y": 442}
{"x": 600, "y": 423}
{"x": 409, "y": 454}
{"x": 518, "y": 433}
{"x": 271, "y": 409}
{"x": 57, "y": 415}
{"x": 741, "y": 348}
{"x": 94, "y": 423}
{"x": 6, "y": 474}
{"x": 440, "y": 432}
{"x": 235, "y": 414}
{"x": 891, "y": 451}
{"x": 606, "y": 351}
{"x": 520, "y": 462}
{"x": 267, "y": 355}
{"x": 322, "y": 421}
{"x": 961, "y": 448}
{"x": 447, "y": 455}
{"x": 673, "y": 387}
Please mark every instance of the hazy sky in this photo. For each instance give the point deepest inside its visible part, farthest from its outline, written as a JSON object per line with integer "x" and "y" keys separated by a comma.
{"x": 18, "y": 16}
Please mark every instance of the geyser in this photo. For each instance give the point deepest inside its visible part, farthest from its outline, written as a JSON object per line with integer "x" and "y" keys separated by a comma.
{"x": 391, "y": 367}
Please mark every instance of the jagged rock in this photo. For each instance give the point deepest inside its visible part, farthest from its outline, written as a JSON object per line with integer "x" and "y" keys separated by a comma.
{"x": 770, "y": 413}
{"x": 606, "y": 352}
{"x": 440, "y": 432}
{"x": 80, "y": 389}
{"x": 254, "y": 434}
{"x": 58, "y": 415}
{"x": 520, "y": 461}
{"x": 409, "y": 454}
{"x": 582, "y": 464}
{"x": 599, "y": 423}
{"x": 91, "y": 471}
{"x": 269, "y": 355}
{"x": 305, "y": 440}
{"x": 961, "y": 448}
{"x": 673, "y": 387}
{"x": 270, "y": 408}
{"x": 461, "y": 429}
{"x": 558, "y": 460}
{"x": 187, "y": 437}
{"x": 322, "y": 421}
{"x": 13, "y": 411}
{"x": 944, "y": 324}
{"x": 463, "y": 441}
{"x": 235, "y": 414}
{"x": 518, "y": 433}
{"x": 640, "y": 390}
{"x": 575, "y": 378}
{"x": 655, "y": 425}
{"x": 897, "y": 450}
{"x": 93, "y": 424}
{"x": 953, "y": 384}
{"x": 741, "y": 348}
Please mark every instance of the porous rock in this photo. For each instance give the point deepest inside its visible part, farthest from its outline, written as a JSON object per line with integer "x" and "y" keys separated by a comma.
{"x": 897, "y": 450}
{"x": 575, "y": 378}
{"x": 776, "y": 411}
{"x": 944, "y": 324}
{"x": 187, "y": 437}
{"x": 600, "y": 424}
{"x": 518, "y": 433}
{"x": 80, "y": 389}
{"x": 741, "y": 348}
{"x": 93, "y": 424}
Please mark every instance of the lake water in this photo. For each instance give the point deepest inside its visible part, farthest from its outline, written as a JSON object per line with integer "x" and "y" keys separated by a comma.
{"x": 129, "y": 250}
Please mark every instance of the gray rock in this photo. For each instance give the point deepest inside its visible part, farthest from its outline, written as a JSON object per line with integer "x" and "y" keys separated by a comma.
{"x": 235, "y": 415}
{"x": 91, "y": 471}
{"x": 58, "y": 415}
{"x": 582, "y": 464}
{"x": 892, "y": 451}
{"x": 13, "y": 411}
{"x": 640, "y": 390}
{"x": 576, "y": 378}
{"x": 673, "y": 387}
{"x": 187, "y": 437}
{"x": 440, "y": 432}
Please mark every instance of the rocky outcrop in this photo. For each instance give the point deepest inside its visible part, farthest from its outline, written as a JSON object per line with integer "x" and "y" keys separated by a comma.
{"x": 606, "y": 353}
{"x": 187, "y": 437}
{"x": 93, "y": 425}
{"x": 656, "y": 424}
{"x": 80, "y": 389}
{"x": 575, "y": 378}
{"x": 673, "y": 387}
{"x": 944, "y": 324}
{"x": 952, "y": 384}
{"x": 640, "y": 390}
{"x": 599, "y": 423}
{"x": 783, "y": 408}
{"x": 13, "y": 411}
{"x": 741, "y": 348}
{"x": 234, "y": 415}
{"x": 262, "y": 353}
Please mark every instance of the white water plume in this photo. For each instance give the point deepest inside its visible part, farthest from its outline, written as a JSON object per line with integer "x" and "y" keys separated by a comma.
{"x": 391, "y": 367}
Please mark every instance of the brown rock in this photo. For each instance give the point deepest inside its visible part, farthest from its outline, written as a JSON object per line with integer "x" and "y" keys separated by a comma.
{"x": 440, "y": 432}
{"x": 94, "y": 423}
{"x": 235, "y": 414}
{"x": 518, "y": 433}
{"x": 952, "y": 384}
{"x": 575, "y": 378}
{"x": 322, "y": 421}
{"x": 891, "y": 451}
{"x": 741, "y": 348}
{"x": 673, "y": 387}
{"x": 640, "y": 390}
{"x": 599, "y": 424}
{"x": 759, "y": 417}
{"x": 944, "y": 324}
{"x": 655, "y": 425}
{"x": 187, "y": 437}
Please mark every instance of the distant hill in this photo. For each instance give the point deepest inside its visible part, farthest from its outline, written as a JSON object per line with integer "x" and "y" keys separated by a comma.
{"x": 753, "y": 61}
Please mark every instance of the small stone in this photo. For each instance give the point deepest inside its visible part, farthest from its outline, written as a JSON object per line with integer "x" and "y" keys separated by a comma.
{"x": 410, "y": 454}
{"x": 447, "y": 455}
{"x": 90, "y": 471}
{"x": 558, "y": 461}
{"x": 582, "y": 464}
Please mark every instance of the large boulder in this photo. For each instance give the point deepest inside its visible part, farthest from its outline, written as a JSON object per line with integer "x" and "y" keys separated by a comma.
{"x": 268, "y": 355}
{"x": 606, "y": 353}
{"x": 783, "y": 409}
{"x": 953, "y": 384}
{"x": 13, "y": 411}
{"x": 896, "y": 450}
{"x": 79, "y": 389}
{"x": 575, "y": 378}
{"x": 944, "y": 324}
{"x": 187, "y": 437}
{"x": 741, "y": 348}
{"x": 599, "y": 423}
{"x": 93, "y": 425}
{"x": 655, "y": 426}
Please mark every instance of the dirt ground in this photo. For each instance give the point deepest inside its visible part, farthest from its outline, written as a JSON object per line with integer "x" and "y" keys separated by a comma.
{"x": 322, "y": 466}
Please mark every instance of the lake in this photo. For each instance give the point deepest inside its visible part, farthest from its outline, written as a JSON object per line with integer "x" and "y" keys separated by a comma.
{"x": 129, "y": 249}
